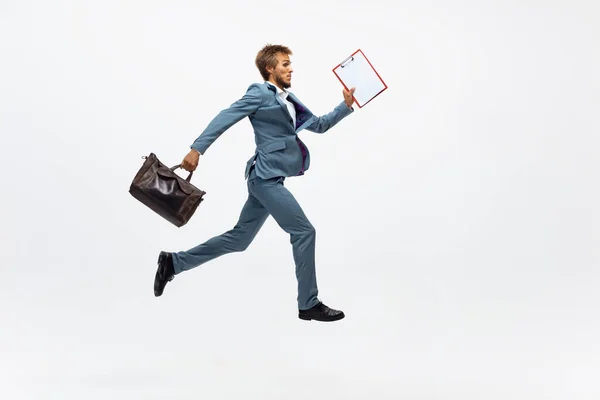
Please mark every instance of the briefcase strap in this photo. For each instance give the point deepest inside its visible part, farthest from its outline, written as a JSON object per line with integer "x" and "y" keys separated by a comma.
{"x": 179, "y": 166}
{"x": 175, "y": 167}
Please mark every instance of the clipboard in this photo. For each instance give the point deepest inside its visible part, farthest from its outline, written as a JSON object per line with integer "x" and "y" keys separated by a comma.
{"x": 358, "y": 72}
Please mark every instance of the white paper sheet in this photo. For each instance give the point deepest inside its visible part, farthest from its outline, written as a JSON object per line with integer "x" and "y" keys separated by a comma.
{"x": 357, "y": 72}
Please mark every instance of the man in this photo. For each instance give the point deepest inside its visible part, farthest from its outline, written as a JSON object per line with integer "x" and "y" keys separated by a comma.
{"x": 276, "y": 116}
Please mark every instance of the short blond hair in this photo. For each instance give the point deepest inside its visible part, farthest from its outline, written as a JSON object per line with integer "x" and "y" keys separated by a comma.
{"x": 266, "y": 57}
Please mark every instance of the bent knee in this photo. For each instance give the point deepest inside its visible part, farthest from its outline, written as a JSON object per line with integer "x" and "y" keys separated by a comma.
{"x": 242, "y": 246}
{"x": 309, "y": 231}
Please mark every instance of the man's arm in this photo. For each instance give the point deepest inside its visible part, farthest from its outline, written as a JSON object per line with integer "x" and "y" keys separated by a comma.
{"x": 324, "y": 123}
{"x": 242, "y": 108}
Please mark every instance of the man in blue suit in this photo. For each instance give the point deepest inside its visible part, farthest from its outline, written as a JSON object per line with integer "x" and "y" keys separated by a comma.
{"x": 277, "y": 117}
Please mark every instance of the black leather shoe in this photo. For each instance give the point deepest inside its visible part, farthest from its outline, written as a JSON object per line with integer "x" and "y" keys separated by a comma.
{"x": 321, "y": 312}
{"x": 164, "y": 273}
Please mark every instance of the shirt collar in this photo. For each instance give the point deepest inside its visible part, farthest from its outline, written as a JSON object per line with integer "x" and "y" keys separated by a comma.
{"x": 280, "y": 92}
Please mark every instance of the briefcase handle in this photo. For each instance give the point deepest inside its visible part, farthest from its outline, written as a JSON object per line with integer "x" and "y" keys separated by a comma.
{"x": 179, "y": 166}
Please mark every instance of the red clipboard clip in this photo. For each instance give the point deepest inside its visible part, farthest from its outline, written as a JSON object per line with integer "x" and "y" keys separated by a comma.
{"x": 358, "y": 72}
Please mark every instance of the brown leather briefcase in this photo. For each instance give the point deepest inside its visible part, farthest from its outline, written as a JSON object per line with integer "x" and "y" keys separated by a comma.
{"x": 166, "y": 193}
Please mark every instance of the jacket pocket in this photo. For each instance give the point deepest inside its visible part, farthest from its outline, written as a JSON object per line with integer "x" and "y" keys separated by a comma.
{"x": 271, "y": 147}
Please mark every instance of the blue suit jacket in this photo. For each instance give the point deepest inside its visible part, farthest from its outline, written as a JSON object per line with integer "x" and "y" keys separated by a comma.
{"x": 279, "y": 151}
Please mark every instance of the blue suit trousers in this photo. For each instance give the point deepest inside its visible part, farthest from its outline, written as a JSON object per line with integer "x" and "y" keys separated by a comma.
{"x": 265, "y": 197}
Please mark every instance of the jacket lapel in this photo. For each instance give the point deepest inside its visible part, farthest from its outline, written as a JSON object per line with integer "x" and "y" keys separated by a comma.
{"x": 279, "y": 100}
{"x": 303, "y": 114}
{"x": 283, "y": 105}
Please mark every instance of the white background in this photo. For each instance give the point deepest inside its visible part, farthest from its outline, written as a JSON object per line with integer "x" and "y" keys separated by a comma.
{"x": 456, "y": 214}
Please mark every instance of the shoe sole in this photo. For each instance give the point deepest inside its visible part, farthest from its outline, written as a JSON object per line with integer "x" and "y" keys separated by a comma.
{"x": 307, "y": 318}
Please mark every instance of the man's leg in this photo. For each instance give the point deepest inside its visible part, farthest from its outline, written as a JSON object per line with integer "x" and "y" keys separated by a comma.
{"x": 251, "y": 219}
{"x": 286, "y": 211}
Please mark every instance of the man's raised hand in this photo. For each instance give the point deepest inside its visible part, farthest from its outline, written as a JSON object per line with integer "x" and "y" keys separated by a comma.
{"x": 348, "y": 96}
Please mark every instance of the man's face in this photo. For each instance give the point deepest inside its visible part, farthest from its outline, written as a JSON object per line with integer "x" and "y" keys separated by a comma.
{"x": 282, "y": 74}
